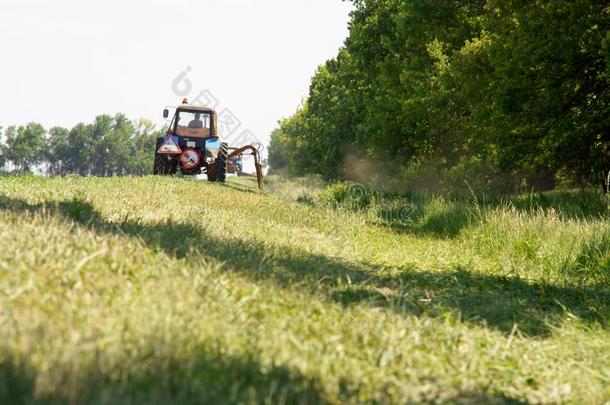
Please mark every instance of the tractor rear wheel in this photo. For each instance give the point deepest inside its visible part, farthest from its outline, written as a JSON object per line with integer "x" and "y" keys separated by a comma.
{"x": 163, "y": 166}
{"x": 218, "y": 172}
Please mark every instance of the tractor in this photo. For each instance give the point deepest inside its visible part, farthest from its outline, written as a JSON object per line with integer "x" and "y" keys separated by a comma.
{"x": 192, "y": 145}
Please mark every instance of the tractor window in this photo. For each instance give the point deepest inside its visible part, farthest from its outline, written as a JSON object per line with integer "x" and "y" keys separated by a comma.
{"x": 193, "y": 124}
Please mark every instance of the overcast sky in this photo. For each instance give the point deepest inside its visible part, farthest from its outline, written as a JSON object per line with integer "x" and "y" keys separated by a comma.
{"x": 66, "y": 61}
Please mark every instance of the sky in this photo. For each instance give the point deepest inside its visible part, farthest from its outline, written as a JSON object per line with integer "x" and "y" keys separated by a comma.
{"x": 66, "y": 61}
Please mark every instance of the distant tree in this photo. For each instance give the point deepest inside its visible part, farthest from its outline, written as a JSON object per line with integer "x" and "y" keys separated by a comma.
{"x": 101, "y": 129}
{"x": 25, "y": 146}
{"x": 2, "y": 153}
{"x": 278, "y": 156}
{"x": 117, "y": 146}
{"x": 81, "y": 150}
{"x": 109, "y": 146}
{"x": 143, "y": 147}
{"x": 58, "y": 152}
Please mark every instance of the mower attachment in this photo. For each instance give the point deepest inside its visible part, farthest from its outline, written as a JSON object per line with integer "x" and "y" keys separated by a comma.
{"x": 257, "y": 161}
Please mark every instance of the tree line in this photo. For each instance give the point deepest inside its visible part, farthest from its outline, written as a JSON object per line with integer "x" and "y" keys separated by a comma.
{"x": 503, "y": 94}
{"x": 111, "y": 145}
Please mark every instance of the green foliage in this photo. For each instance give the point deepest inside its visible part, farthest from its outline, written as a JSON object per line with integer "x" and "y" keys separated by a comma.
{"x": 142, "y": 147}
{"x": 335, "y": 195}
{"x": 110, "y": 146}
{"x": 519, "y": 89}
{"x": 344, "y": 195}
{"x": 2, "y": 156}
{"x": 476, "y": 176}
{"x": 25, "y": 146}
{"x": 606, "y": 46}
{"x": 59, "y": 151}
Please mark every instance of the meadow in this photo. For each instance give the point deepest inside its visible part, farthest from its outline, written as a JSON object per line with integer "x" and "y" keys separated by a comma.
{"x": 169, "y": 290}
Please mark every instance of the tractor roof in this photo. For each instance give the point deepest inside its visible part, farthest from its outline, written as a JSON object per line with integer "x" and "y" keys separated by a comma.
{"x": 188, "y": 107}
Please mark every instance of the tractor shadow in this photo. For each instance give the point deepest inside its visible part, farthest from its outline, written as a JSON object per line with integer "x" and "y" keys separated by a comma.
{"x": 237, "y": 187}
{"x": 485, "y": 300}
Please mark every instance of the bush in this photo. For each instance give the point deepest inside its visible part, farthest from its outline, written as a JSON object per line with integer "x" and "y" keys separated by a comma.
{"x": 347, "y": 195}
{"x": 478, "y": 177}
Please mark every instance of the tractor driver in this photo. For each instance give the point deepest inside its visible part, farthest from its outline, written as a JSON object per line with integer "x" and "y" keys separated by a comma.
{"x": 196, "y": 123}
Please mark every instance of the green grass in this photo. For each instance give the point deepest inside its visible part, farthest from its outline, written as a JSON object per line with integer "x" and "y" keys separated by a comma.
{"x": 156, "y": 290}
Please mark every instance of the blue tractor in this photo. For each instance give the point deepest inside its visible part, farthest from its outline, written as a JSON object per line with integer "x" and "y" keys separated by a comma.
{"x": 192, "y": 145}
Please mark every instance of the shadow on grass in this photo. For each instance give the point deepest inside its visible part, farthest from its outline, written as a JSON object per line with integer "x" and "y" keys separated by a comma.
{"x": 594, "y": 259}
{"x": 238, "y": 187}
{"x": 201, "y": 379}
{"x": 445, "y": 218}
{"x": 569, "y": 204}
{"x": 442, "y": 223}
{"x": 494, "y": 301}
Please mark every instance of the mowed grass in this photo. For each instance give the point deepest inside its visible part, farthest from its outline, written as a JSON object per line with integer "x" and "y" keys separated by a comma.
{"x": 168, "y": 290}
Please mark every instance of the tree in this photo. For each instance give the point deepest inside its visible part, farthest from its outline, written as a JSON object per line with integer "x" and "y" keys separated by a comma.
{"x": 59, "y": 153}
{"x": 2, "y": 154}
{"x": 25, "y": 146}
{"x": 143, "y": 147}
{"x": 117, "y": 146}
{"x": 81, "y": 149}
{"x": 518, "y": 87}
{"x": 109, "y": 146}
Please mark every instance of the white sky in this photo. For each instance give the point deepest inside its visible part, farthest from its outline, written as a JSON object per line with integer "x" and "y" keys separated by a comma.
{"x": 66, "y": 61}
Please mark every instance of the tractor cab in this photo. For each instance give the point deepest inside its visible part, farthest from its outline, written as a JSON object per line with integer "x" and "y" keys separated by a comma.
{"x": 194, "y": 122}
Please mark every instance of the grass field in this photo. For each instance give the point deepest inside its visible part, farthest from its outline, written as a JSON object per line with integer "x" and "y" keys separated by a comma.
{"x": 156, "y": 290}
